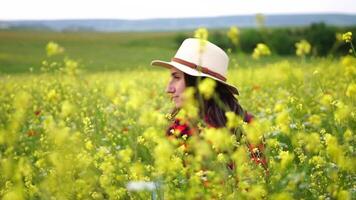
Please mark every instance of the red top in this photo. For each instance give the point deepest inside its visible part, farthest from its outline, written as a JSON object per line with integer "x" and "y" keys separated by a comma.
{"x": 180, "y": 129}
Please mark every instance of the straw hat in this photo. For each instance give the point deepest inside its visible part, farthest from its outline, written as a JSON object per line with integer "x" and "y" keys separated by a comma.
{"x": 198, "y": 57}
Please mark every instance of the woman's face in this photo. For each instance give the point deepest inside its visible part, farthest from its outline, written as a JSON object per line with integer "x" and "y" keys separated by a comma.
{"x": 176, "y": 87}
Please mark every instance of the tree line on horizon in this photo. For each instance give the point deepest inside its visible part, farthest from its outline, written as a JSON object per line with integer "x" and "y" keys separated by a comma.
{"x": 325, "y": 40}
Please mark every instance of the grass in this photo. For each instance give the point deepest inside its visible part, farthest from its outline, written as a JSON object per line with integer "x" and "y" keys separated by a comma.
{"x": 20, "y": 51}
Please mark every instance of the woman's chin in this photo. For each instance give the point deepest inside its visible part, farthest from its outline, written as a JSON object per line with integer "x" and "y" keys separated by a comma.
{"x": 178, "y": 105}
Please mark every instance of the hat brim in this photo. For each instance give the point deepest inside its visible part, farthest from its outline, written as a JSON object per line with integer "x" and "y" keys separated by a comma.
{"x": 191, "y": 71}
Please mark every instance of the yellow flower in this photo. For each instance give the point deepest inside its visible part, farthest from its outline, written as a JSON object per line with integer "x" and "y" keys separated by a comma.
{"x": 261, "y": 50}
{"x": 233, "y": 35}
{"x": 342, "y": 112}
{"x": 207, "y": 87}
{"x": 286, "y": 158}
{"x": 347, "y": 37}
{"x": 303, "y": 48}
{"x": 201, "y": 33}
{"x": 318, "y": 161}
{"x": 348, "y": 60}
{"x": 221, "y": 139}
{"x": 140, "y": 139}
{"x": 190, "y": 106}
{"x": 125, "y": 155}
{"x": 71, "y": 66}
{"x": 163, "y": 153}
{"x": 313, "y": 142}
{"x": 53, "y": 48}
{"x": 221, "y": 158}
{"x": 233, "y": 120}
{"x": 67, "y": 108}
{"x": 255, "y": 131}
{"x": 336, "y": 152}
{"x": 52, "y": 95}
{"x": 279, "y": 107}
{"x": 315, "y": 120}
{"x": 348, "y": 135}
{"x": 89, "y": 145}
{"x": 351, "y": 90}
{"x": 343, "y": 195}
{"x": 256, "y": 192}
{"x": 338, "y": 37}
{"x": 283, "y": 121}
{"x": 326, "y": 100}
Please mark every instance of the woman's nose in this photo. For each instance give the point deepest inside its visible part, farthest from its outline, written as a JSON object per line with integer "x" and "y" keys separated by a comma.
{"x": 170, "y": 89}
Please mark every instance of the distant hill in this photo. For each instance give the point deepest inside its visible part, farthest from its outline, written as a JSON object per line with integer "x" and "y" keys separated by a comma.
{"x": 112, "y": 25}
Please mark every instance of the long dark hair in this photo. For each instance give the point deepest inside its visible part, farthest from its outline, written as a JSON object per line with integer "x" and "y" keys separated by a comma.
{"x": 211, "y": 110}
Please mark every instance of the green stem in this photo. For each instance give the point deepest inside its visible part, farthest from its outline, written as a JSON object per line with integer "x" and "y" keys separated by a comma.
{"x": 353, "y": 49}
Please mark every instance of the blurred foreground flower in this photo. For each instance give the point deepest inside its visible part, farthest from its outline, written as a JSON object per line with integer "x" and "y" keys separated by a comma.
{"x": 201, "y": 33}
{"x": 234, "y": 35}
{"x": 53, "y": 48}
{"x": 303, "y": 48}
{"x": 347, "y": 37}
{"x": 261, "y": 50}
{"x": 206, "y": 87}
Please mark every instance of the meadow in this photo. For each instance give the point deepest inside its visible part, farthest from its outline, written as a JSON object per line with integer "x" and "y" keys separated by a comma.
{"x": 88, "y": 121}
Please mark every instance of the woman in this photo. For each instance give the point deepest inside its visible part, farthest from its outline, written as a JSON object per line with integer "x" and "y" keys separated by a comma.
{"x": 195, "y": 61}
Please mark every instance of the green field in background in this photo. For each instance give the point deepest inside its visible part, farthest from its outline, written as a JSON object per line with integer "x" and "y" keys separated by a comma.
{"x": 22, "y": 50}
{"x": 19, "y": 51}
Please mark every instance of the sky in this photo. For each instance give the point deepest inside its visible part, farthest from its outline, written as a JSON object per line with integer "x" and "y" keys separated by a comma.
{"x": 144, "y": 9}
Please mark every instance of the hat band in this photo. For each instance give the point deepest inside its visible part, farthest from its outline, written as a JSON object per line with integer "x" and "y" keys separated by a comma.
{"x": 199, "y": 68}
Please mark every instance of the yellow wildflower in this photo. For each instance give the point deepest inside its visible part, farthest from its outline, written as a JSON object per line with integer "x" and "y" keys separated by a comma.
{"x": 315, "y": 120}
{"x": 326, "y": 100}
{"x": 351, "y": 90}
{"x": 343, "y": 195}
{"x": 221, "y": 139}
{"x": 303, "y": 48}
{"x": 89, "y": 145}
{"x": 53, "y": 48}
{"x": 255, "y": 131}
{"x": 342, "y": 112}
{"x": 347, "y": 37}
{"x": 283, "y": 121}
{"x": 348, "y": 135}
{"x": 201, "y": 33}
{"x": 261, "y": 50}
{"x": 318, "y": 161}
{"x": 52, "y": 95}
{"x": 125, "y": 155}
{"x": 348, "y": 60}
{"x": 207, "y": 87}
{"x": 338, "y": 37}
{"x": 286, "y": 158}
{"x": 233, "y": 35}
{"x": 279, "y": 107}
{"x": 233, "y": 120}
{"x": 67, "y": 108}
{"x": 313, "y": 142}
{"x": 71, "y": 66}
{"x": 221, "y": 158}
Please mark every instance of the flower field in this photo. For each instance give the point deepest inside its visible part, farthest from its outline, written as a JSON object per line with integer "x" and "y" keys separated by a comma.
{"x": 66, "y": 134}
